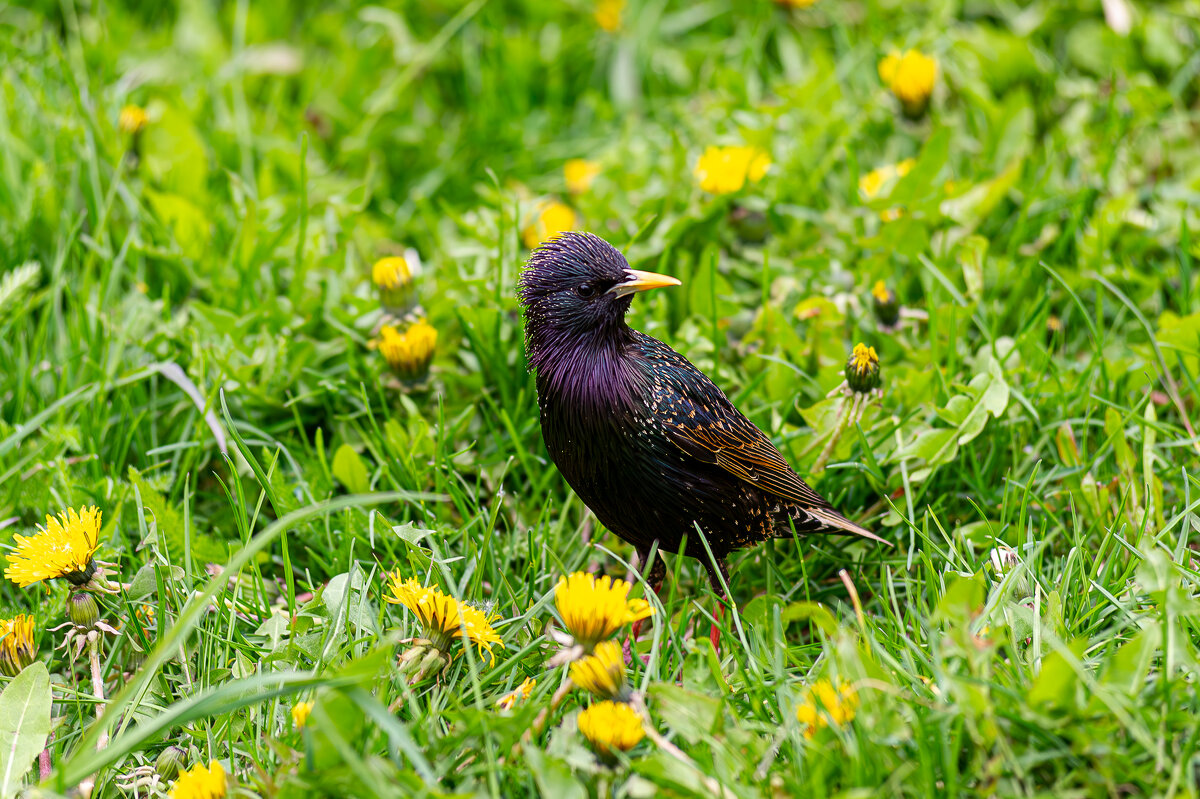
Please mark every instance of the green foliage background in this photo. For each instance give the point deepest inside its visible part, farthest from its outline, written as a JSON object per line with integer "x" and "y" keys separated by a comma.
{"x": 291, "y": 145}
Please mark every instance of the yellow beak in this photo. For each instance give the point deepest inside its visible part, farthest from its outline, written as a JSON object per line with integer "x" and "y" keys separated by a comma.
{"x": 642, "y": 281}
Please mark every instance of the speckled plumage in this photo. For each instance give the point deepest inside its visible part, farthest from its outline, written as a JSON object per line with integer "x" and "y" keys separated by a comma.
{"x": 648, "y": 442}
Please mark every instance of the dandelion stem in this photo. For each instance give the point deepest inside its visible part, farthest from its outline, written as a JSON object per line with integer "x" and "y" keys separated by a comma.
{"x": 819, "y": 466}
{"x": 97, "y": 686}
{"x": 714, "y": 787}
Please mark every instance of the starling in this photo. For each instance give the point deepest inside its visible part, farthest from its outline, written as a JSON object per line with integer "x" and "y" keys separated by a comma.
{"x": 645, "y": 439}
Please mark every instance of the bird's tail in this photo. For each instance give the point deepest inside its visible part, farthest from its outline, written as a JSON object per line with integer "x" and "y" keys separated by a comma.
{"x": 837, "y": 523}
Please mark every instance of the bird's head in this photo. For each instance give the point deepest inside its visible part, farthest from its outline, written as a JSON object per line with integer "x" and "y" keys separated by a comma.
{"x": 578, "y": 286}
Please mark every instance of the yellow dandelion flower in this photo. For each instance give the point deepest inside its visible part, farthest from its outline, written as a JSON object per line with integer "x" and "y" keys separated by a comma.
{"x": 862, "y": 369}
{"x": 443, "y": 617}
{"x": 300, "y": 712}
{"x": 551, "y": 219}
{"x": 911, "y": 76}
{"x": 724, "y": 170}
{"x": 887, "y": 309}
{"x": 199, "y": 782}
{"x": 63, "y": 548}
{"x": 602, "y": 672}
{"x": 394, "y": 279}
{"x": 132, "y": 119}
{"x": 592, "y": 609}
{"x": 825, "y": 704}
{"x": 608, "y": 14}
{"x": 409, "y": 353}
{"x": 872, "y": 184}
{"x": 795, "y": 3}
{"x": 519, "y": 694}
{"x": 611, "y": 726}
{"x": 16, "y": 644}
{"x": 579, "y": 174}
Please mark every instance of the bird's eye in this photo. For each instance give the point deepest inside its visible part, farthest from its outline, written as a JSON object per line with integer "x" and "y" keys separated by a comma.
{"x": 587, "y": 291}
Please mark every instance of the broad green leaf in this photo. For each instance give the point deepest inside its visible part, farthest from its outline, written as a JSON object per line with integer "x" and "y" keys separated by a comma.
{"x": 1129, "y": 666}
{"x": 553, "y": 776}
{"x": 350, "y": 470}
{"x": 962, "y": 600}
{"x": 1054, "y": 687}
{"x": 24, "y": 725}
{"x": 185, "y": 220}
{"x": 692, "y": 715}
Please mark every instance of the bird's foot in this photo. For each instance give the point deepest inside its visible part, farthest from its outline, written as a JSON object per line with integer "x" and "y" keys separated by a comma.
{"x": 714, "y": 632}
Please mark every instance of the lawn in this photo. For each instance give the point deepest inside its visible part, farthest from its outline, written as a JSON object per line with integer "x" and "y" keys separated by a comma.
{"x": 315, "y": 472}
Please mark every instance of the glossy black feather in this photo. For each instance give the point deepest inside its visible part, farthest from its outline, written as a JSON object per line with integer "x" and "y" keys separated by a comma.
{"x": 648, "y": 442}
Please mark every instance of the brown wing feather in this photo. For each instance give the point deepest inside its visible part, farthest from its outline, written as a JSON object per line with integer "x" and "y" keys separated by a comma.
{"x": 740, "y": 448}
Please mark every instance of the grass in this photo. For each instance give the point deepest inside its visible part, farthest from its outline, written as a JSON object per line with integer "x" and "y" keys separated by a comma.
{"x": 184, "y": 342}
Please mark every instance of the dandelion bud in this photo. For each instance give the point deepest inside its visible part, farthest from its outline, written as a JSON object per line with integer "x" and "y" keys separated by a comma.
{"x": 862, "y": 369}
{"x": 82, "y": 609}
{"x": 409, "y": 353}
{"x": 169, "y": 762}
{"x": 16, "y": 644}
{"x": 393, "y": 278}
{"x": 1054, "y": 330}
{"x": 422, "y": 660}
{"x": 887, "y": 309}
{"x": 752, "y": 227}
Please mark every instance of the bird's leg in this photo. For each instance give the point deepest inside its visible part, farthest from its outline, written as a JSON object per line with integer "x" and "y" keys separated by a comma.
{"x": 718, "y": 585}
{"x": 654, "y": 577}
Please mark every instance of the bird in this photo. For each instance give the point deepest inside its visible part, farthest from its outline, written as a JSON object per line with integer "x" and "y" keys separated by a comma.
{"x": 645, "y": 439}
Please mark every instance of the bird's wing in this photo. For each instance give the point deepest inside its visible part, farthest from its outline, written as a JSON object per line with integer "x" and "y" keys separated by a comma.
{"x": 733, "y": 443}
{"x": 699, "y": 419}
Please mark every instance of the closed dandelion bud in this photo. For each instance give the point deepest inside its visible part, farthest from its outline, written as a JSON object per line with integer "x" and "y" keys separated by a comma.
{"x": 16, "y": 644}
{"x": 421, "y": 661}
{"x": 169, "y": 762}
{"x": 393, "y": 278}
{"x": 409, "y": 353}
{"x": 82, "y": 609}
{"x": 887, "y": 309}
{"x": 752, "y": 227}
{"x": 1054, "y": 330}
{"x": 911, "y": 76}
{"x": 862, "y": 369}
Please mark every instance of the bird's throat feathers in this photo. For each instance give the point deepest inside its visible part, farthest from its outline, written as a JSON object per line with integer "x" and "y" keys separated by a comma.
{"x": 587, "y": 369}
